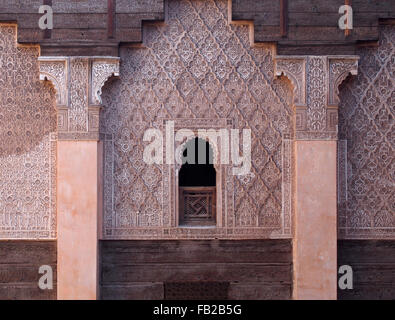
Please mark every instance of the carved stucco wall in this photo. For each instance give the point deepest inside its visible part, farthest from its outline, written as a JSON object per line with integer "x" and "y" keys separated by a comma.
{"x": 27, "y": 143}
{"x": 197, "y": 66}
{"x": 202, "y": 72}
{"x": 366, "y": 146}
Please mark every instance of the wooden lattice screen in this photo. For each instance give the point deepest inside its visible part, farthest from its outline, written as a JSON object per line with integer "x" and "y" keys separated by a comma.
{"x": 197, "y": 205}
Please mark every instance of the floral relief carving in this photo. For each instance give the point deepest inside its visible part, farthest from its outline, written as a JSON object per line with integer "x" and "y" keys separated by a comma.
{"x": 56, "y": 72}
{"x": 201, "y": 72}
{"x": 101, "y": 72}
{"x": 78, "y": 82}
{"x": 338, "y": 72}
{"x": 27, "y": 143}
{"x": 316, "y": 80}
{"x": 316, "y": 94}
{"x": 78, "y": 115}
{"x": 295, "y": 70}
{"x": 366, "y": 149}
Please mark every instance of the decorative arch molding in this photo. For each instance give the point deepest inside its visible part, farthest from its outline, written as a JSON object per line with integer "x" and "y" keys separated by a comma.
{"x": 316, "y": 81}
{"x": 339, "y": 69}
{"x": 102, "y": 70}
{"x": 213, "y": 145}
{"x": 295, "y": 70}
{"x": 224, "y": 176}
{"x": 78, "y": 82}
{"x": 54, "y": 69}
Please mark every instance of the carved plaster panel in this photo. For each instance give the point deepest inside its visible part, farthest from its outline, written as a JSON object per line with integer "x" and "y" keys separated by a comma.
{"x": 102, "y": 70}
{"x": 55, "y": 71}
{"x": 27, "y": 142}
{"x": 78, "y": 82}
{"x": 366, "y": 149}
{"x": 200, "y": 71}
{"x": 316, "y": 80}
{"x": 295, "y": 70}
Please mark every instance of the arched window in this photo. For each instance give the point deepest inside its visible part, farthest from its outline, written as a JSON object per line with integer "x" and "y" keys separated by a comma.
{"x": 197, "y": 184}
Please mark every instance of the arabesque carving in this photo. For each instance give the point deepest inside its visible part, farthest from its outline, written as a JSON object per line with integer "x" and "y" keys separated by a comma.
{"x": 78, "y": 82}
{"x": 27, "y": 143}
{"x": 366, "y": 150}
{"x": 102, "y": 70}
{"x": 295, "y": 70}
{"x": 202, "y": 72}
{"x": 316, "y": 80}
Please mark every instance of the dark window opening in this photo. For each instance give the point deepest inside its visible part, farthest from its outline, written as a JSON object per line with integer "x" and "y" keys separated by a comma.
{"x": 197, "y": 185}
{"x": 198, "y": 170}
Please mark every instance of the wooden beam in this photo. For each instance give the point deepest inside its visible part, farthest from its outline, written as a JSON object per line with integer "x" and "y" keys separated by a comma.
{"x": 347, "y": 32}
{"x": 111, "y": 18}
{"x": 283, "y": 18}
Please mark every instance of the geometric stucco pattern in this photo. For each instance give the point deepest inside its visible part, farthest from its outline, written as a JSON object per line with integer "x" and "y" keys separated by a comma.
{"x": 366, "y": 146}
{"x": 27, "y": 143}
{"x": 78, "y": 82}
{"x": 198, "y": 69}
{"x": 316, "y": 81}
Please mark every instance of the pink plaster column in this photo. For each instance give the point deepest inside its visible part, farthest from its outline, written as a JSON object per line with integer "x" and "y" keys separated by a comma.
{"x": 315, "y": 232}
{"x": 78, "y": 82}
{"x": 79, "y": 175}
{"x": 316, "y": 81}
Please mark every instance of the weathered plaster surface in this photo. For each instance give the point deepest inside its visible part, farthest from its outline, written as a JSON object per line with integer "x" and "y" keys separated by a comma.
{"x": 78, "y": 220}
{"x": 27, "y": 143}
{"x": 315, "y": 239}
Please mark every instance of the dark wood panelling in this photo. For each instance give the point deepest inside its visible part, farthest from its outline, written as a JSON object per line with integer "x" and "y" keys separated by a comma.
{"x": 141, "y": 269}
{"x": 254, "y": 291}
{"x": 200, "y": 271}
{"x": 373, "y": 264}
{"x": 308, "y": 24}
{"x": 132, "y": 291}
{"x": 19, "y": 265}
{"x": 79, "y": 22}
{"x": 196, "y": 290}
{"x": 312, "y": 24}
{"x": 180, "y": 251}
{"x": 20, "y": 291}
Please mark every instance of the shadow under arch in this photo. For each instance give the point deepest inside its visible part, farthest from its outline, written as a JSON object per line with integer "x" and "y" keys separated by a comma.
{"x": 198, "y": 169}
{"x": 197, "y": 184}
{"x": 27, "y": 105}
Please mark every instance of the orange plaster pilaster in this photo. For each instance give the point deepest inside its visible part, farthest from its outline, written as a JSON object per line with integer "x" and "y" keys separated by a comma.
{"x": 315, "y": 234}
{"x": 79, "y": 198}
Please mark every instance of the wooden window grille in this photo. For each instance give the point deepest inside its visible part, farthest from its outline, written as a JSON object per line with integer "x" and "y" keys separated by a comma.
{"x": 197, "y": 205}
